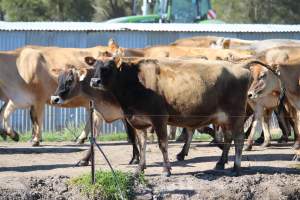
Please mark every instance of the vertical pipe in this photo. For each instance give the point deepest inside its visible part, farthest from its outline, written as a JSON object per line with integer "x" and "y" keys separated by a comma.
{"x": 145, "y": 7}
{"x": 92, "y": 140}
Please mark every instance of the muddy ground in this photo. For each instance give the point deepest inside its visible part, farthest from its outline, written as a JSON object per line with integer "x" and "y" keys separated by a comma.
{"x": 41, "y": 172}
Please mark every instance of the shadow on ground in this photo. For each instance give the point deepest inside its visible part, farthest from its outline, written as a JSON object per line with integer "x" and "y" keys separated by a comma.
{"x": 39, "y": 150}
{"x": 35, "y": 167}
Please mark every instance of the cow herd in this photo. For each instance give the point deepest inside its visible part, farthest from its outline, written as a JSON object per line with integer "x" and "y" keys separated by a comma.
{"x": 191, "y": 83}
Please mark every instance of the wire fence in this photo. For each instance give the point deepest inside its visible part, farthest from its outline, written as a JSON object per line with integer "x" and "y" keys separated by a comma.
{"x": 58, "y": 119}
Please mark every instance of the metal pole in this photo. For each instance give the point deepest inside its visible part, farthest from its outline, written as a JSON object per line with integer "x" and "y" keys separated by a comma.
{"x": 145, "y": 7}
{"x": 92, "y": 141}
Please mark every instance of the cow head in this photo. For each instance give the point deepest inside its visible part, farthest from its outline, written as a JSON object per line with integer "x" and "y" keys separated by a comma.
{"x": 68, "y": 85}
{"x": 105, "y": 73}
{"x": 264, "y": 82}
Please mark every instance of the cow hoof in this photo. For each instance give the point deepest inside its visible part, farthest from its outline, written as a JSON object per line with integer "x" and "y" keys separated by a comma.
{"x": 80, "y": 141}
{"x": 248, "y": 147}
{"x": 260, "y": 140}
{"x": 134, "y": 161}
{"x": 265, "y": 144}
{"x": 180, "y": 157}
{"x": 3, "y": 135}
{"x": 15, "y": 137}
{"x": 296, "y": 145}
{"x": 282, "y": 140}
{"x": 82, "y": 163}
{"x": 220, "y": 166}
{"x": 35, "y": 144}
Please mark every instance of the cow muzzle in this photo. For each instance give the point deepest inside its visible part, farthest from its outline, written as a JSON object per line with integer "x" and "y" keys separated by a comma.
{"x": 56, "y": 100}
{"x": 252, "y": 95}
{"x": 96, "y": 83}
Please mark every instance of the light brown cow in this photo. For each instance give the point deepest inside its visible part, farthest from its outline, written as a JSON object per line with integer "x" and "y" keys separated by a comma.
{"x": 214, "y": 42}
{"x": 285, "y": 61}
{"x": 27, "y": 82}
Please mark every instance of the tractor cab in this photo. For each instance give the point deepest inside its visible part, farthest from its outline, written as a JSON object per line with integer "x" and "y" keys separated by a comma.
{"x": 172, "y": 11}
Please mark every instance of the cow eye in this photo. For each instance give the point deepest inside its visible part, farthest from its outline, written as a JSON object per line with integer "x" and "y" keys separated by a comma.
{"x": 262, "y": 76}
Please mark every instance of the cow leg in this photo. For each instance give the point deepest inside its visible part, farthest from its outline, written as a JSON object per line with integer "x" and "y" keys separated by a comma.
{"x": 162, "y": 137}
{"x": 266, "y": 129}
{"x": 131, "y": 134}
{"x": 248, "y": 131}
{"x": 36, "y": 113}
{"x": 6, "y": 111}
{"x": 238, "y": 144}
{"x": 2, "y": 132}
{"x": 182, "y": 137}
{"x": 284, "y": 125}
{"x": 297, "y": 127}
{"x": 172, "y": 133}
{"x": 98, "y": 120}
{"x": 256, "y": 127}
{"x": 185, "y": 149}
{"x": 142, "y": 138}
{"x": 86, "y": 159}
{"x": 226, "y": 146}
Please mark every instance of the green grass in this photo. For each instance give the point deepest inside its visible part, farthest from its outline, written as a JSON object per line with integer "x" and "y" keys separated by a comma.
{"x": 70, "y": 135}
{"x": 62, "y": 136}
{"x": 105, "y": 186}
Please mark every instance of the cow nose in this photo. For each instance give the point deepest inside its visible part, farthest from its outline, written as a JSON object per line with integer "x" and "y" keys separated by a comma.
{"x": 95, "y": 82}
{"x": 54, "y": 99}
{"x": 250, "y": 95}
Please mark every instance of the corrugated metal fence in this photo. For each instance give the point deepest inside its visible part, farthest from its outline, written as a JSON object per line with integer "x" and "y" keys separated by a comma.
{"x": 56, "y": 118}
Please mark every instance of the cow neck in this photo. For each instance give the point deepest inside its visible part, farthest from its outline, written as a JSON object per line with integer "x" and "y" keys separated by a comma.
{"x": 127, "y": 88}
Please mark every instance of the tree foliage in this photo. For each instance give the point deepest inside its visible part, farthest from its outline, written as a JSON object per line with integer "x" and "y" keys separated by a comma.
{"x": 258, "y": 11}
{"x": 48, "y": 10}
{"x": 108, "y": 9}
{"x": 231, "y": 11}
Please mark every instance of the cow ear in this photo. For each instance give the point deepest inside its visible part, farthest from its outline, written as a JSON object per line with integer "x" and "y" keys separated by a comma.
{"x": 55, "y": 71}
{"x": 90, "y": 60}
{"x": 226, "y": 44}
{"x": 118, "y": 61}
{"x": 112, "y": 44}
{"x": 82, "y": 73}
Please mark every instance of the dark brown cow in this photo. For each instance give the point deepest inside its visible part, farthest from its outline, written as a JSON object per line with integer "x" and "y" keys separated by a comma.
{"x": 187, "y": 93}
{"x": 70, "y": 86}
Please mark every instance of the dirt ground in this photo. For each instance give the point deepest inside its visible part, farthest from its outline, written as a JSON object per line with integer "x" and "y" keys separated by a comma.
{"x": 267, "y": 173}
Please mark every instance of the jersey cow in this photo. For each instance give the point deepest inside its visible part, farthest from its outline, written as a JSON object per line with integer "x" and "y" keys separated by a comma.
{"x": 282, "y": 71}
{"x": 186, "y": 93}
{"x": 27, "y": 82}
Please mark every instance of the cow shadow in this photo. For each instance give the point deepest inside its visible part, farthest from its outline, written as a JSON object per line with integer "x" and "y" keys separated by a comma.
{"x": 211, "y": 175}
{"x": 35, "y": 167}
{"x": 251, "y": 157}
{"x": 39, "y": 150}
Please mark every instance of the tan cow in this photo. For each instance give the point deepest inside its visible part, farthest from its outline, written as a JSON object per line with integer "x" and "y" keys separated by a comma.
{"x": 284, "y": 61}
{"x": 27, "y": 82}
{"x": 214, "y": 42}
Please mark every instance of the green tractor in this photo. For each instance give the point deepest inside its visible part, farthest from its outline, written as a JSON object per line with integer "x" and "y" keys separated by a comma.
{"x": 172, "y": 11}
